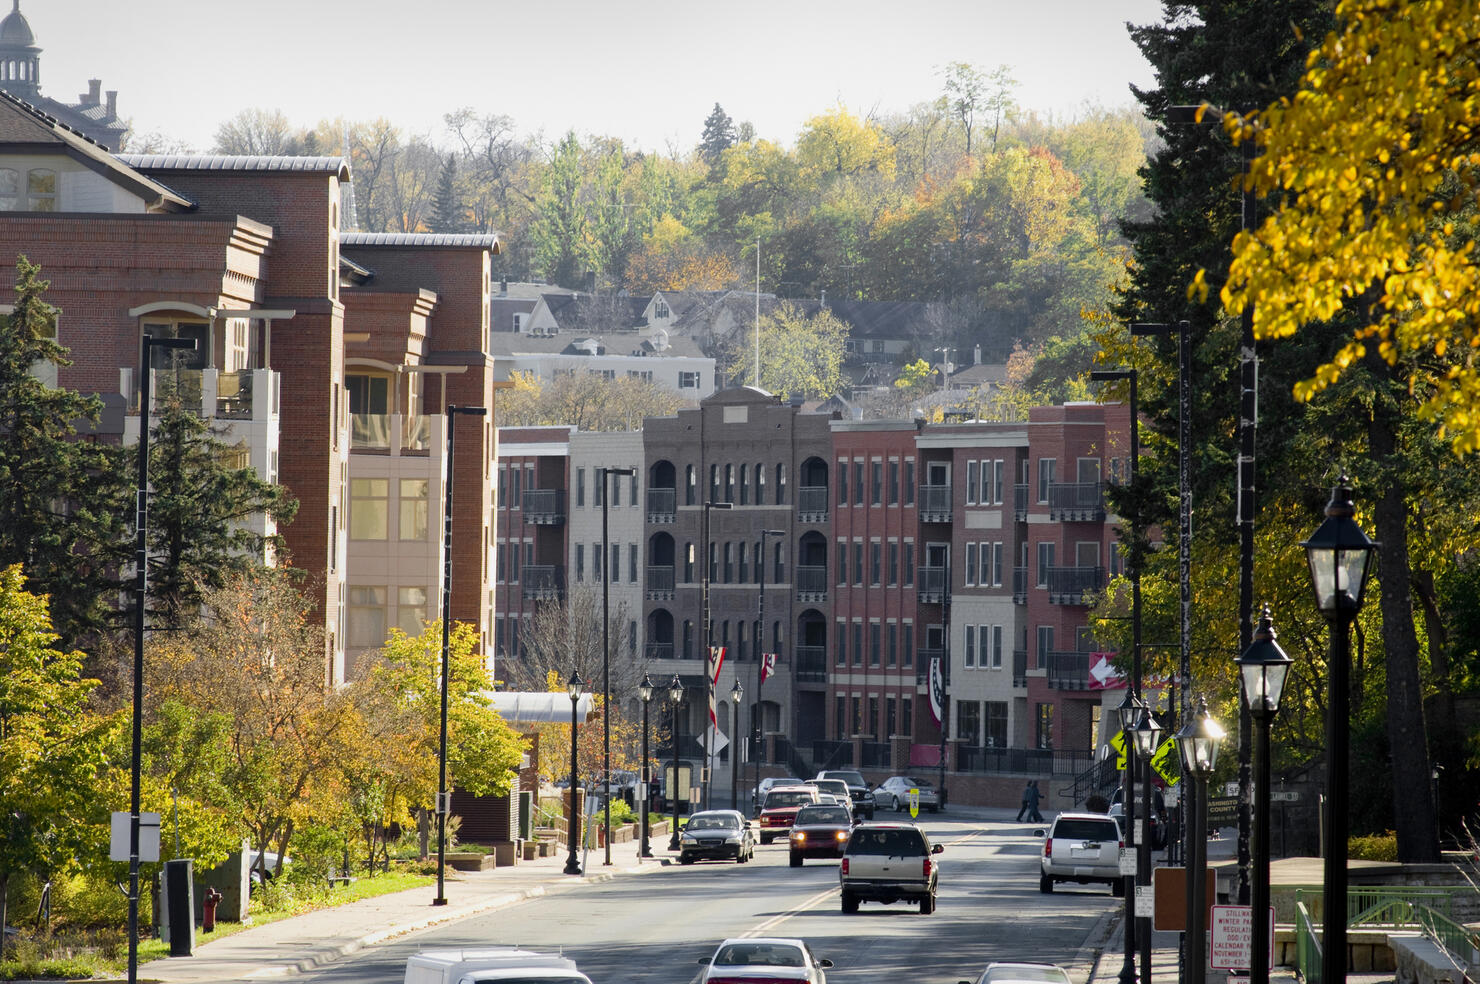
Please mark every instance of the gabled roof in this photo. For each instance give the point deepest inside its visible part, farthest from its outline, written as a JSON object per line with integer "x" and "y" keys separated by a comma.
{"x": 444, "y": 240}
{"x": 23, "y": 127}
{"x": 237, "y": 162}
{"x": 879, "y": 319}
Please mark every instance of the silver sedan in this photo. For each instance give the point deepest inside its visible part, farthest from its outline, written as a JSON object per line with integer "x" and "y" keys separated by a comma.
{"x": 897, "y": 792}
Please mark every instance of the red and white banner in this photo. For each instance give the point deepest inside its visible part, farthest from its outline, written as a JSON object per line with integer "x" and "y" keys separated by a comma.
{"x": 768, "y": 666}
{"x": 937, "y": 690}
{"x": 716, "y": 660}
{"x": 1102, "y": 672}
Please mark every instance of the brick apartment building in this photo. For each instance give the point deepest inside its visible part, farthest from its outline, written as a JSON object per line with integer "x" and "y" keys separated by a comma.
{"x": 243, "y": 255}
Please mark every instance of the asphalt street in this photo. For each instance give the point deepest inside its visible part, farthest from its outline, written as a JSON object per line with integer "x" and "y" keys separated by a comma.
{"x": 656, "y": 927}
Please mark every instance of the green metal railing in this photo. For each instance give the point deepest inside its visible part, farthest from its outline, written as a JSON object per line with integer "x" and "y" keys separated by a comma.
{"x": 1307, "y": 945}
{"x": 1457, "y": 942}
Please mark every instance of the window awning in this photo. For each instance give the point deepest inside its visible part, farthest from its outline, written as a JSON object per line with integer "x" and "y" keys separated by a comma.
{"x": 539, "y": 708}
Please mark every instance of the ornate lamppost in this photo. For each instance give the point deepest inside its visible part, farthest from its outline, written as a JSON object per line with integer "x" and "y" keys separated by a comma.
{"x": 1198, "y": 743}
{"x": 573, "y": 688}
{"x": 675, "y": 696}
{"x": 645, "y": 694}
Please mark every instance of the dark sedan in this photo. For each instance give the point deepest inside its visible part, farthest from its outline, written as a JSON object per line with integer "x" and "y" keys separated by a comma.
{"x": 720, "y": 835}
{"x": 820, "y": 832}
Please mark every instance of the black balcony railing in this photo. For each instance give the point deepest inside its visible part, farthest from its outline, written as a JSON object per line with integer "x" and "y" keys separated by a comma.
{"x": 657, "y": 650}
{"x": 1073, "y": 585}
{"x": 812, "y": 504}
{"x": 660, "y": 583}
{"x": 1068, "y": 671}
{"x": 833, "y": 754}
{"x": 1019, "y": 585}
{"x": 811, "y": 583}
{"x": 931, "y": 585}
{"x": 1019, "y": 667}
{"x": 544, "y": 507}
{"x": 935, "y": 504}
{"x": 1020, "y": 503}
{"x": 876, "y": 755}
{"x": 542, "y": 583}
{"x": 811, "y": 664}
{"x": 1077, "y": 502}
{"x": 662, "y": 505}
{"x": 1023, "y": 761}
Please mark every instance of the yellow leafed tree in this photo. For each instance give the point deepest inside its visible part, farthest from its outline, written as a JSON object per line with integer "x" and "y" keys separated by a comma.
{"x": 1374, "y": 163}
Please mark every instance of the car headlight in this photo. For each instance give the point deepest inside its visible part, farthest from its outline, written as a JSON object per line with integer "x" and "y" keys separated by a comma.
{"x": 686, "y": 839}
{"x": 798, "y": 835}
{"x": 842, "y": 835}
{"x": 732, "y": 840}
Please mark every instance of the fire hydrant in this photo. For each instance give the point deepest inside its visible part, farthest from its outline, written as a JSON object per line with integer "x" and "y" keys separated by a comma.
{"x": 208, "y": 910}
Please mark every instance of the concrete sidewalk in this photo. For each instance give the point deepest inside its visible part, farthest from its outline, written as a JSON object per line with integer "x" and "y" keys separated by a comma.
{"x": 298, "y": 944}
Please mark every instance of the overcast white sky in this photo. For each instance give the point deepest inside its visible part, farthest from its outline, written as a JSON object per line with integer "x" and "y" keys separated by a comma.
{"x": 647, "y": 71}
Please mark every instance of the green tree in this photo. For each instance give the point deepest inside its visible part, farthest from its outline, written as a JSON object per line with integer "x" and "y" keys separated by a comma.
{"x": 719, "y": 136}
{"x": 970, "y": 92}
{"x": 586, "y": 401}
{"x": 801, "y": 356}
{"x": 559, "y": 235}
{"x": 53, "y": 746}
{"x": 210, "y": 515}
{"x": 448, "y": 213}
{"x": 66, "y": 500}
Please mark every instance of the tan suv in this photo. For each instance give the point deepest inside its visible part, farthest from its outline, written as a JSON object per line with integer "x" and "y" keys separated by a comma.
{"x": 1083, "y": 848}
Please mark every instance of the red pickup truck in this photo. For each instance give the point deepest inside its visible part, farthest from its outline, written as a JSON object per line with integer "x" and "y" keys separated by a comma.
{"x": 780, "y": 809}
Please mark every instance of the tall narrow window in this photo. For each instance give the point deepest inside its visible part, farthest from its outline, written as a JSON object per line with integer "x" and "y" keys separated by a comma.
{"x": 894, "y": 481}
{"x": 970, "y": 572}
{"x": 876, "y": 470}
{"x": 858, "y": 483}
{"x": 781, "y": 484}
{"x": 971, "y": 472}
{"x": 744, "y": 485}
{"x": 690, "y": 485}
{"x": 580, "y": 487}
{"x": 909, "y": 481}
{"x": 968, "y": 651}
{"x": 842, "y": 483}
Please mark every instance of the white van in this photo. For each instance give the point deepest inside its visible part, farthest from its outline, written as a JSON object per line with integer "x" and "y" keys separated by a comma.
{"x": 491, "y": 965}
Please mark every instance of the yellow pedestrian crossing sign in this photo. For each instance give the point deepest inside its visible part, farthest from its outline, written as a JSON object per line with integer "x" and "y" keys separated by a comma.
{"x": 1164, "y": 763}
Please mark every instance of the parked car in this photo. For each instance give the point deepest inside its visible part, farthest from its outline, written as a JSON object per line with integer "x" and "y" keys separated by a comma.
{"x": 780, "y": 809}
{"x": 1158, "y": 813}
{"x": 763, "y": 959}
{"x": 1082, "y": 848}
{"x": 819, "y": 832}
{"x": 894, "y": 793}
{"x": 859, "y": 789}
{"x": 719, "y": 835}
{"x": 887, "y": 862}
{"x": 452, "y": 965}
{"x": 1003, "y": 972}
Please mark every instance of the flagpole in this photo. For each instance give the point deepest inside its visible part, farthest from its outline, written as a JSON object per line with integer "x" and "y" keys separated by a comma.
{"x": 757, "y": 376}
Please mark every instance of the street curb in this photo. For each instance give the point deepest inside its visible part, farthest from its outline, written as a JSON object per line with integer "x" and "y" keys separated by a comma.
{"x": 1087, "y": 957}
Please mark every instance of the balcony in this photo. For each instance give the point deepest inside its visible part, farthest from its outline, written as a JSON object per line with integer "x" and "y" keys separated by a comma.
{"x": 811, "y": 664}
{"x": 659, "y": 586}
{"x": 811, "y": 583}
{"x": 657, "y": 650}
{"x": 1020, "y": 503}
{"x": 1068, "y": 671}
{"x": 1019, "y": 667}
{"x": 543, "y": 583}
{"x": 935, "y": 504}
{"x": 1074, "y": 585}
{"x": 1019, "y": 585}
{"x": 1080, "y": 502}
{"x": 662, "y": 505}
{"x": 544, "y": 507}
{"x": 812, "y": 504}
{"x": 247, "y": 394}
{"x": 933, "y": 585}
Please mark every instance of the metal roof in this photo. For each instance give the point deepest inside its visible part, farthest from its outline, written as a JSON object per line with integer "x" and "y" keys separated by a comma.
{"x": 353, "y": 240}
{"x": 236, "y": 162}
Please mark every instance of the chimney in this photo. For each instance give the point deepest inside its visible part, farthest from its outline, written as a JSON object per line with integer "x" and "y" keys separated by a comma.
{"x": 94, "y": 88}
{"x": 112, "y": 104}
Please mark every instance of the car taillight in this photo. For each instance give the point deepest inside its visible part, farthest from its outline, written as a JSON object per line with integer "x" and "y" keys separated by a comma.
{"x": 926, "y": 866}
{"x": 845, "y": 866}
{"x": 755, "y": 980}
{"x": 1048, "y": 848}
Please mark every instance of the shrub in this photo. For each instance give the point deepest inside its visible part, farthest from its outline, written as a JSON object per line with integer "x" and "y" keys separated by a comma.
{"x": 1373, "y": 847}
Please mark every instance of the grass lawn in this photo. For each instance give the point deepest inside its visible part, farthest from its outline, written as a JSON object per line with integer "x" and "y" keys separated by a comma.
{"x": 70, "y": 958}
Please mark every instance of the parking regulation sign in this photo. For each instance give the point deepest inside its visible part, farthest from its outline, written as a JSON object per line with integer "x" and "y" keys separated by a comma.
{"x": 1231, "y": 935}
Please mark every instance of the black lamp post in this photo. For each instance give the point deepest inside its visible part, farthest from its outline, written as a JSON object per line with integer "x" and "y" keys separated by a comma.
{"x": 573, "y": 687}
{"x": 1340, "y": 557}
{"x": 1147, "y": 734}
{"x": 1264, "y": 667}
{"x": 675, "y": 696}
{"x": 737, "y": 694}
{"x": 708, "y": 655}
{"x": 606, "y": 649}
{"x": 141, "y": 590}
{"x": 1198, "y": 743}
{"x": 1128, "y": 713}
{"x": 760, "y": 670}
{"x": 443, "y": 804}
{"x": 645, "y": 694}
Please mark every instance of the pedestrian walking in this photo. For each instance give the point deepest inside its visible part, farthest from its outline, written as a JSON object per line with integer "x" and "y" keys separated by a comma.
{"x": 1031, "y": 796}
{"x": 1024, "y": 807}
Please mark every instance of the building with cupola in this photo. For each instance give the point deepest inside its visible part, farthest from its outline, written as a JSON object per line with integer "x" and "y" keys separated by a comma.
{"x": 94, "y": 115}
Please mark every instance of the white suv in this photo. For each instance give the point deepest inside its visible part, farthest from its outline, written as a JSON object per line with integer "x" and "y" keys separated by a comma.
{"x": 1083, "y": 848}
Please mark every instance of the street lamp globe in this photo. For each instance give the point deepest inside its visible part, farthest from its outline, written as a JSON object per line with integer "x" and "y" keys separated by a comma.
{"x": 1147, "y": 732}
{"x": 1129, "y": 711}
{"x": 1265, "y": 667}
{"x": 737, "y": 692}
{"x": 1340, "y": 555}
{"x": 645, "y": 689}
{"x": 573, "y": 686}
{"x": 1198, "y": 742}
{"x": 675, "y": 689}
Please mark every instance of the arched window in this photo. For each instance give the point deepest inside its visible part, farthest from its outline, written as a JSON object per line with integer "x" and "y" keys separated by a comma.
{"x": 780, "y": 567}
{"x": 781, "y": 484}
{"x": 760, "y": 484}
{"x": 690, "y": 484}
{"x": 714, "y": 483}
{"x": 744, "y": 485}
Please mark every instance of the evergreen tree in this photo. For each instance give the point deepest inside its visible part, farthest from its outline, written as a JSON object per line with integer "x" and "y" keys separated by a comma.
{"x": 447, "y": 208}
{"x": 559, "y": 233}
{"x": 719, "y": 134}
{"x": 65, "y": 501}
{"x": 199, "y": 512}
